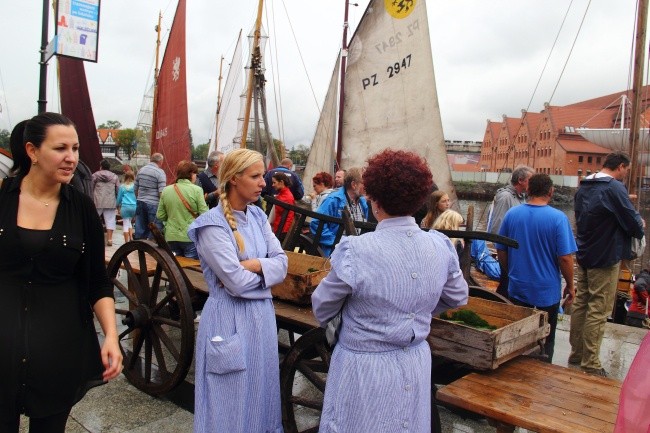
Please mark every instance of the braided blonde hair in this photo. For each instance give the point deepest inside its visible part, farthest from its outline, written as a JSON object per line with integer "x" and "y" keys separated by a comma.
{"x": 233, "y": 165}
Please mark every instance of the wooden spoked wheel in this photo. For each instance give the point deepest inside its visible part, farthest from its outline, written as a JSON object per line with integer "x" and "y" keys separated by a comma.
{"x": 302, "y": 382}
{"x": 158, "y": 341}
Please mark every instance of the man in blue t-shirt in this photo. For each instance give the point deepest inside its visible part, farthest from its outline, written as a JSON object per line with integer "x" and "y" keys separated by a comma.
{"x": 546, "y": 247}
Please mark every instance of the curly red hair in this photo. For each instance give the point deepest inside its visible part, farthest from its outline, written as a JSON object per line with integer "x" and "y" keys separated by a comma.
{"x": 399, "y": 181}
{"x": 323, "y": 178}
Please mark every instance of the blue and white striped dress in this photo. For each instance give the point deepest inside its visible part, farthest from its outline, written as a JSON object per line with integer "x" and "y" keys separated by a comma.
{"x": 237, "y": 385}
{"x": 395, "y": 279}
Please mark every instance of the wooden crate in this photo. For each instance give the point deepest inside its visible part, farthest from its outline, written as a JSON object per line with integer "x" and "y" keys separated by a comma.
{"x": 624, "y": 280}
{"x": 518, "y": 331}
{"x": 300, "y": 282}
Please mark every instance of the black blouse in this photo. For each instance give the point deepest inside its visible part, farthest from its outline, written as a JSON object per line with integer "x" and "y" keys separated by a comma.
{"x": 49, "y": 280}
{"x": 75, "y": 211}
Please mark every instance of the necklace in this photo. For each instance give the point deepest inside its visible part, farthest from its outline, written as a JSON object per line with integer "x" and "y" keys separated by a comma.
{"x": 46, "y": 203}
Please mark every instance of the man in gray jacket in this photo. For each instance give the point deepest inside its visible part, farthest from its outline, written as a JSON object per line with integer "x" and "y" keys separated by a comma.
{"x": 508, "y": 197}
{"x": 149, "y": 183}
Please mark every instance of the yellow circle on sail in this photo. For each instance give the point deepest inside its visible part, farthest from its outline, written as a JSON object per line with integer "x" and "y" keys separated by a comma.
{"x": 399, "y": 8}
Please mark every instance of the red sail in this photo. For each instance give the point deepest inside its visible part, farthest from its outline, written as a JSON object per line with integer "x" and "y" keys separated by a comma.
{"x": 75, "y": 104}
{"x": 171, "y": 133}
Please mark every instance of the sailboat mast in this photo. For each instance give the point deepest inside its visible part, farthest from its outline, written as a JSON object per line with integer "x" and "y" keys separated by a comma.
{"x": 639, "y": 60}
{"x": 152, "y": 138}
{"x": 216, "y": 127}
{"x": 255, "y": 59}
{"x": 344, "y": 56}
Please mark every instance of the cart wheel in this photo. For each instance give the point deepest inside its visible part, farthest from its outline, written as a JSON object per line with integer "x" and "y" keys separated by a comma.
{"x": 158, "y": 342}
{"x": 303, "y": 393}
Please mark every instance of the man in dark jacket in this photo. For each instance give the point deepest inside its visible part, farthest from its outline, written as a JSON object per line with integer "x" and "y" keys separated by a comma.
{"x": 209, "y": 178}
{"x": 296, "y": 187}
{"x": 606, "y": 222}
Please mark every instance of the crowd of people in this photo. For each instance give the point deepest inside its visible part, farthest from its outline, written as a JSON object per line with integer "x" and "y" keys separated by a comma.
{"x": 386, "y": 284}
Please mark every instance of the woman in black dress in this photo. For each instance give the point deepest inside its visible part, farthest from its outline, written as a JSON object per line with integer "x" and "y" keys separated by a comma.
{"x": 52, "y": 277}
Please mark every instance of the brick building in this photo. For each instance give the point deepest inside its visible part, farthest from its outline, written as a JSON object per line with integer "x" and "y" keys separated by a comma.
{"x": 549, "y": 141}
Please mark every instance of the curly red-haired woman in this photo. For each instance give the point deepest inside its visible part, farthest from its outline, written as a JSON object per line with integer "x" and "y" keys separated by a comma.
{"x": 322, "y": 183}
{"x": 388, "y": 284}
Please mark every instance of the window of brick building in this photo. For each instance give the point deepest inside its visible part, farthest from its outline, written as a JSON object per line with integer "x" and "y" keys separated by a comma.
{"x": 580, "y": 158}
{"x": 589, "y": 159}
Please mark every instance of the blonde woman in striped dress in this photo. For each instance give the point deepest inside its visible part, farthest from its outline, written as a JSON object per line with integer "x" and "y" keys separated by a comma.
{"x": 389, "y": 284}
{"x": 237, "y": 386}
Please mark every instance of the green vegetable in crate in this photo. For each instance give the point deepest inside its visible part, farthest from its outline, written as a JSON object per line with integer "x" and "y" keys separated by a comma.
{"x": 469, "y": 318}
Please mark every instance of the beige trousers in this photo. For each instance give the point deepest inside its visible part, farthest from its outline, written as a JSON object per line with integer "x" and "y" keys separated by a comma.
{"x": 595, "y": 295}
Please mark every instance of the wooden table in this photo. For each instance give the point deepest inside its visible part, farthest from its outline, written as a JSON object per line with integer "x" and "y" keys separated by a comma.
{"x": 537, "y": 396}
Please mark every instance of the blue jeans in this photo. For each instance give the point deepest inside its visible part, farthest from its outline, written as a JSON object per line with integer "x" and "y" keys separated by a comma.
{"x": 145, "y": 213}
{"x": 185, "y": 249}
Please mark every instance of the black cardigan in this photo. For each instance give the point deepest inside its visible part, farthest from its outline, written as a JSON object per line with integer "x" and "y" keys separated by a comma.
{"x": 75, "y": 210}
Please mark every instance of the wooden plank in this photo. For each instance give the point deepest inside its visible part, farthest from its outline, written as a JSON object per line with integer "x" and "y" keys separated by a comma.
{"x": 531, "y": 324}
{"x": 498, "y": 309}
{"x": 197, "y": 280}
{"x": 462, "y": 335}
{"x": 592, "y": 387}
{"x": 573, "y": 400}
{"x": 300, "y": 316}
{"x": 185, "y": 262}
{"x": 526, "y": 340}
{"x": 517, "y": 410}
{"x": 480, "y": 359}
{"x": 538, "y": 396}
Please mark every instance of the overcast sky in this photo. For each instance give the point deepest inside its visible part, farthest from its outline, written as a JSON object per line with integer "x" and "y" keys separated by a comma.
{"x": 488, "y": 57}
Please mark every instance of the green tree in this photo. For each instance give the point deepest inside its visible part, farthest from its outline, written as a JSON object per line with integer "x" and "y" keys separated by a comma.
{"x": 299, "y": 154}
{"x": 200, "y": 152}
{"x": 4, "y": 139}
{"x": 110, "y": 124}
{"x": 130, "y": 140}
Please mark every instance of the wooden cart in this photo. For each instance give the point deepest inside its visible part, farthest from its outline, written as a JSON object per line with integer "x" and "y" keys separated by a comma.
{"x": 164, "y": 292}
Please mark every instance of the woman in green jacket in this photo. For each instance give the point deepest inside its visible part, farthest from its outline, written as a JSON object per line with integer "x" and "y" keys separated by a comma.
{"x": 180, "y": 203}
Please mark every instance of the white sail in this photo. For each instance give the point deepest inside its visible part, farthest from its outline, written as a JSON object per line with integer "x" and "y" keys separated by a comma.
{"x": 390, "y": 90}
{"x": 322, "y": 154}
{"x": 227, "y": 128}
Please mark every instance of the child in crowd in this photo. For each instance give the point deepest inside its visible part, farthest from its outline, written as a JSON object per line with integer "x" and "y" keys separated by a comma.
{"x": 126, "y": 204}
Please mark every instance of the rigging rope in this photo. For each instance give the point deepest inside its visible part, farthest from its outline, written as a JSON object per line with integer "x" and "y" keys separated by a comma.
{"x": 302, "y": 60}
{"x": 277, "y": 90}
{"x": 549, "y": 57}
{"x": 570, "y": 51}
{"x": 557, "y": 36}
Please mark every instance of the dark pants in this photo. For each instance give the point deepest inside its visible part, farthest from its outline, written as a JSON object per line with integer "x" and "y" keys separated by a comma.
{"x": 185, "y": 249}
{"x": 50, "y": 424}
{"x": 145, "y": 213}
{"x": 552, "y": 311}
